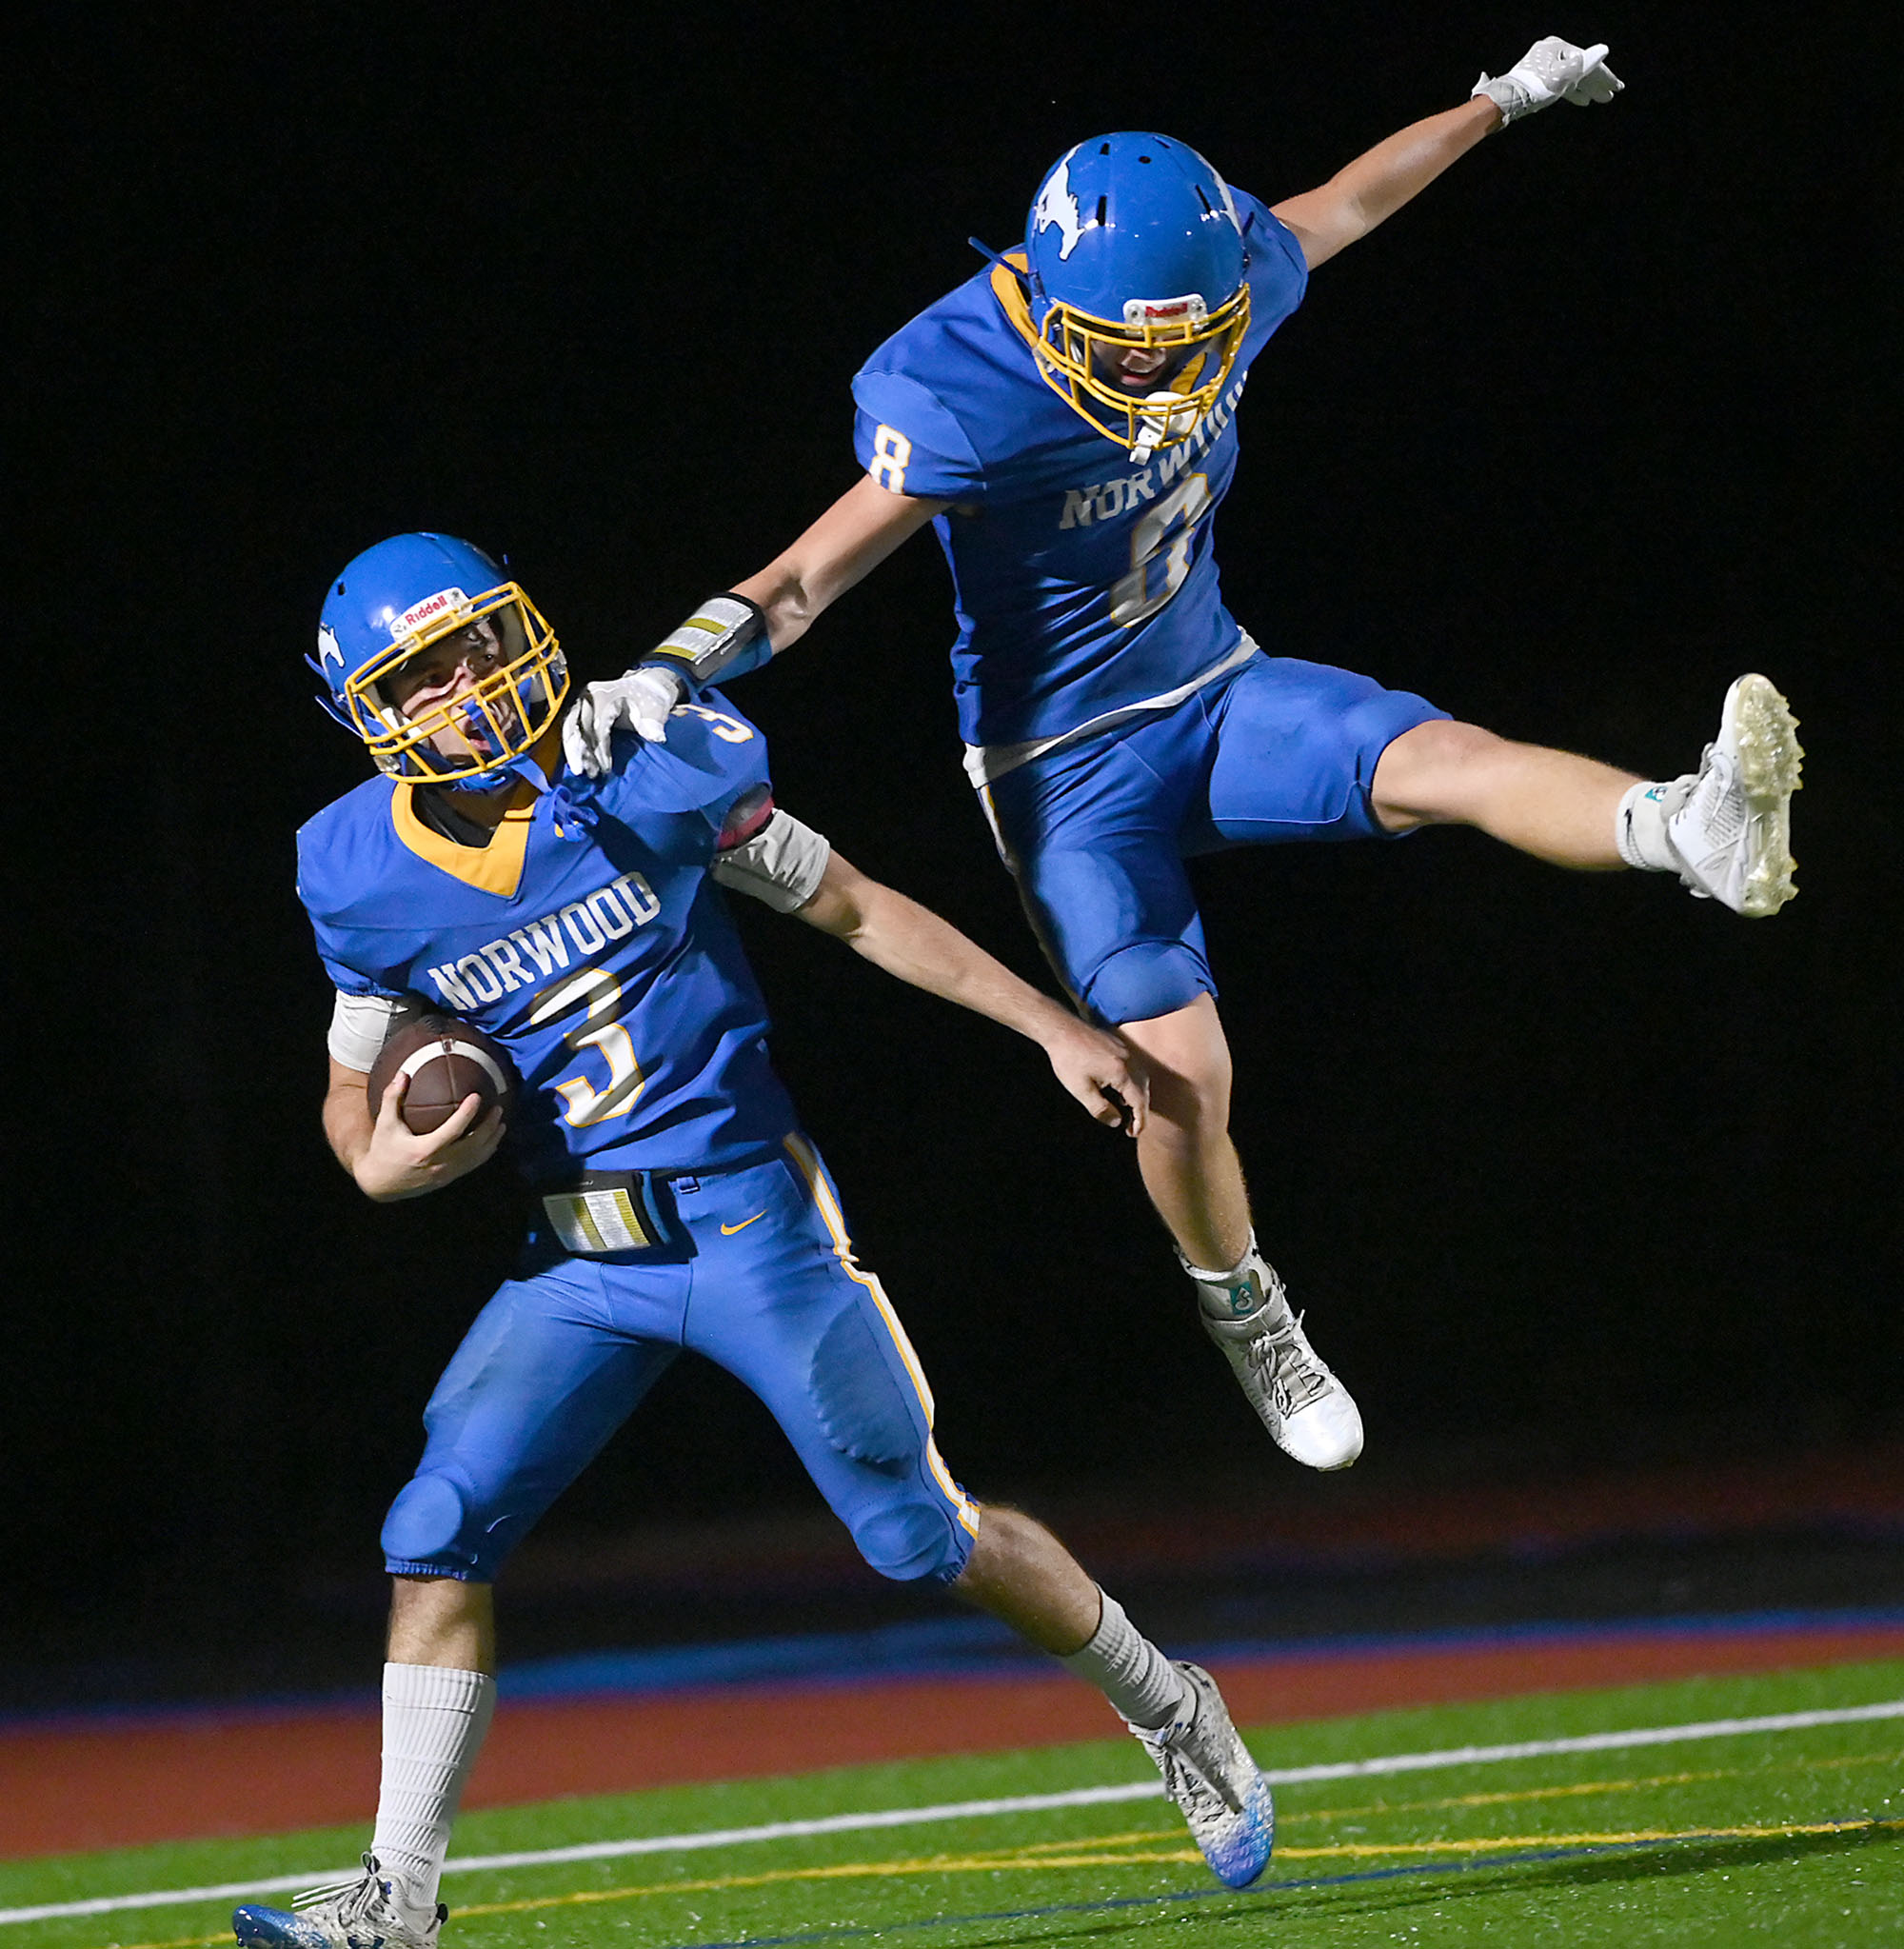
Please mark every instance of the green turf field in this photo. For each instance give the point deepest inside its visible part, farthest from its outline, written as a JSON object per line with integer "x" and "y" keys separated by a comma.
{"x": 1786, "y": 1835}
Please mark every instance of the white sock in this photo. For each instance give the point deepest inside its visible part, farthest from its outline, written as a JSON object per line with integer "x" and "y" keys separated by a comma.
{"x": 1231, "y": 1295}
{"x": 1129, "y": 1670}
{"x": 1639, "y": 826}
{"x": 434, "y": 1718}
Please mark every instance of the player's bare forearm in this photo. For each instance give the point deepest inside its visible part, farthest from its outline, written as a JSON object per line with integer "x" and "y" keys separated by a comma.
{"x": 846, "y": 544}
{"x": 387, "y": 1159}
{"x": 913, "y": 944}
{"x": 347, "y": 1123}
{"x": 1375, "y": 184}
{"x": 851, "y": 539}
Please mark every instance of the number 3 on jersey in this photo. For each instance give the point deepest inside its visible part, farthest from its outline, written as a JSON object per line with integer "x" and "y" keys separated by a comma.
{"x": 600, "y": 1030}
{"x": 1168, "y": 527}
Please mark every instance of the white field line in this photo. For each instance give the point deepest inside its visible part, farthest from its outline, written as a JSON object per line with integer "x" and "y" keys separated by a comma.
{"x": 1015, "y": 1803}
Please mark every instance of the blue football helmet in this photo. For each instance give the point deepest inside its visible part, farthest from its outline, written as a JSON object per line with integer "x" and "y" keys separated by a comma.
{"x": 401, "y": 620}
{"x": 1133, "y": 239}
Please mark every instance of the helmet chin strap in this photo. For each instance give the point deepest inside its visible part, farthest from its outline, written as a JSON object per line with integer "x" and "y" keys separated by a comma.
{"x": 1183, "y": 422}
{"x": 986, "y": 251}
{"x": 498, "y": 778}
{"x": 573, "y": 820}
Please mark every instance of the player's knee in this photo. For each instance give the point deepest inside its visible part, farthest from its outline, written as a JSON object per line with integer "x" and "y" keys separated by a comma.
{"x": 1188, "y": 1109}
{"x": 913, "y": 1541}
{"x": 435, "y": 1529}
{"x": 1187, "y": 1059}
{"x": 1147, "y": 979}
{"x": 1429, "y": 774}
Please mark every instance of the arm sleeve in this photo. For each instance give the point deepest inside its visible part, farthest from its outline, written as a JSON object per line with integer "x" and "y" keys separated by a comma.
{"x": 783, "y": 863}
{"x": 361, "y": 1025}
{"x": 907, "y": 440}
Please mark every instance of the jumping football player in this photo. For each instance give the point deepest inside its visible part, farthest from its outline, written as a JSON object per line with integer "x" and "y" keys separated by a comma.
{"x": 677, "y": 1203}
{"x": 1066, "y": 420}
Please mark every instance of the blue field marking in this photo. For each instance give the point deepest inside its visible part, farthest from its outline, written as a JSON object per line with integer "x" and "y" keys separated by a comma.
{"x": 942, "y": 1649}
{"x": 935, "y": 1647}
{"x": 1262, "y": 1893}
{"x": 980, "y": 1647}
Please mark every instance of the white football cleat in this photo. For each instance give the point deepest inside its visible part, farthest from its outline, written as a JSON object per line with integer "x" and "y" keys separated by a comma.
{"x": 1734, "y": 833}
{"x": 366, "y": 1913}
{"x": 1309, "y": 1414}
{"x": 1208, "y": 1772}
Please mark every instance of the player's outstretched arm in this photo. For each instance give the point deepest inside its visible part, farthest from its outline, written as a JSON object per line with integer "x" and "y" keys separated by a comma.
{"x": 843, "y": 547}
{"x": 387, "y": 1159}
{"x": 1375, "y": 186}
{"x": 913, "y": 942}
{"x": 737, "y": 630}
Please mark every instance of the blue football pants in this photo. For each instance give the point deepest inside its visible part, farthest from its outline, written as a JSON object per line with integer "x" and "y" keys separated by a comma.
{"x": 765, "y": 1284}
{"x": 1096, "y": 832}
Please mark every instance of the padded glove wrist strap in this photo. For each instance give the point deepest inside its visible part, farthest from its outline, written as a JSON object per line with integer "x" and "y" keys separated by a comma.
{"x": 725, "y": 637}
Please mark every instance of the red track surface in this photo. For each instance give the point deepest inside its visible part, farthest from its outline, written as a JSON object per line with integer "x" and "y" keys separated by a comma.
{"x": 108, "y": 1784}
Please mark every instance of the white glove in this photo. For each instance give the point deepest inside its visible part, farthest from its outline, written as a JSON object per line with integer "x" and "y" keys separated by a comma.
{"x": 639, "y": 701}
{"x": 1551, "y": 70}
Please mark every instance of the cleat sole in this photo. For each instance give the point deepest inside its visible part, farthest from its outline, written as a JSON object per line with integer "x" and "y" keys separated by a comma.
{"x": 1771, "y": 762}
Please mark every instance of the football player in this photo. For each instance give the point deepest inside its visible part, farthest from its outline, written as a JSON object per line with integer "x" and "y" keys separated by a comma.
{"x": 1066, "y": 420}
{"x": 675, "y": 1200}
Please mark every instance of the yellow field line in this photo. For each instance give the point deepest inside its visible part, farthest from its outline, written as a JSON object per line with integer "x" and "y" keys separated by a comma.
{"x": 1042, "y": 1856}
{"x": 839, "y": 1871}
{"x": 1596, "y": 1786}
{"x": 1633, "y": 1838}
{"x": 1078, "y": 1840}
{"x": 1048, "y": 1856}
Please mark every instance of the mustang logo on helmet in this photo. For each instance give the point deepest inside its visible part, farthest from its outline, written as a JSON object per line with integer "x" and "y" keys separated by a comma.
{"x": 329, "y": 649}
{"x": 1057, "y": 205}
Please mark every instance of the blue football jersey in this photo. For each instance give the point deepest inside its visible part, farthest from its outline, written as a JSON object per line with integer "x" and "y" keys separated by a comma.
{"x": 609, "y": 968}
{"x": 1085, "y": 583}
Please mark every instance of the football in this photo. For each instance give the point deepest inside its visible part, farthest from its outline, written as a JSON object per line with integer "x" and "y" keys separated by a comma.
{"x": 446, "y": 1061}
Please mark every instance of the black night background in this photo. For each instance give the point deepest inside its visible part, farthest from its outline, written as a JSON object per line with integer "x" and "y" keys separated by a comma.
{"x": 1571, "y": 1173}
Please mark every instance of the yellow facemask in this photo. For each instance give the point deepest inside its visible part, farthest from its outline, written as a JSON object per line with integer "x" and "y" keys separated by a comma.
{"x": 1068, "y": 346}
{"x": 515, "y": 699}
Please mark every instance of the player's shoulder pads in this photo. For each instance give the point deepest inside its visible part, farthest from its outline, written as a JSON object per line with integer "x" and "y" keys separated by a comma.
{"x": 713, "y": 755}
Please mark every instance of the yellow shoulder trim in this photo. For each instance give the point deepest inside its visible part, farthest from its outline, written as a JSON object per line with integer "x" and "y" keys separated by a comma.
{"x": 1010, "y": 294}
{"x": 496, "y": 868}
